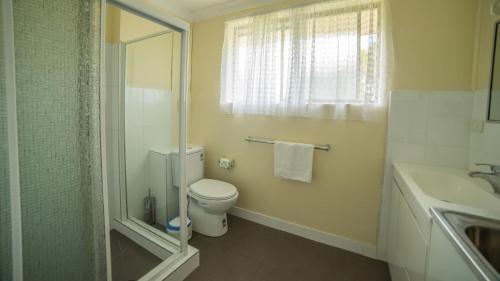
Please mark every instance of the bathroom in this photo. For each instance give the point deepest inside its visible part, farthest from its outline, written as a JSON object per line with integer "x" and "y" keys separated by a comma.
{"x": 249, "y": 140}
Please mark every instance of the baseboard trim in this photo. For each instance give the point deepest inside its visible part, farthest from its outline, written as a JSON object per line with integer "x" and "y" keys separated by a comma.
{"x": 358, "y": 247}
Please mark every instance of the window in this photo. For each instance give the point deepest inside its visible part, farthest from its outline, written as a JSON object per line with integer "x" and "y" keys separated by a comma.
{"x": 322, "y": 60}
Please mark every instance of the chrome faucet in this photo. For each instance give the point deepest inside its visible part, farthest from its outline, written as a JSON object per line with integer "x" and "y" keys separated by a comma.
{"x": 493, "y": 177}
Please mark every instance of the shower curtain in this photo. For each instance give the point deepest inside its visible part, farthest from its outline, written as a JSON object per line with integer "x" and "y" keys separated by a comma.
{"x": 57, "y": 60}
{"x": 5, "y": 229}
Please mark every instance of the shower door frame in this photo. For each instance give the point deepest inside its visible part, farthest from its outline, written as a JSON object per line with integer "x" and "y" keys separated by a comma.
{"x": 124, "y": 216}
{"x": 171, "y": 267}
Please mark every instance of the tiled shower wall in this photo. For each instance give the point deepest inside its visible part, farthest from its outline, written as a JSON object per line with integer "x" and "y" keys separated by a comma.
{"x": 147, "y": 125}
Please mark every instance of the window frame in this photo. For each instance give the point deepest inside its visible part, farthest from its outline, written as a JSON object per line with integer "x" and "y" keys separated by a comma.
{"x": 377, "y": 8}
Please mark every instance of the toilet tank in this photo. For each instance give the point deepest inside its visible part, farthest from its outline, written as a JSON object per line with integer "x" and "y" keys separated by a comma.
{"x": 195, "y": 162}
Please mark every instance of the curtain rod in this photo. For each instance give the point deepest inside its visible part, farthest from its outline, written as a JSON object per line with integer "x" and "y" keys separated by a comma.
{"x": 292, "y": 6}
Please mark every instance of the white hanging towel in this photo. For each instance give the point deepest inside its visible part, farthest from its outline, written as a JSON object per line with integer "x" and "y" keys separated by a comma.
{"x": 293, "y": 161}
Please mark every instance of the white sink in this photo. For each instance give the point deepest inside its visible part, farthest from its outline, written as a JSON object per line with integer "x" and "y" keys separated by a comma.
{"x": 452, "y": 187}
{"x": 455, "y": 189}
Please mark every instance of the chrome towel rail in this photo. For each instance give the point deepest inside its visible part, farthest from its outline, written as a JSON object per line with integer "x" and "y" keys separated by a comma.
{"x": 325, "y": 147}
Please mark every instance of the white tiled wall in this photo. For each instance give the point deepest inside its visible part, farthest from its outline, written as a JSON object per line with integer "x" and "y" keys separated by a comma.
{"x": 434, "y": 128}
{"x": 485, "y": 143}
{"x": 431, "y": 128}
{"x": 147, "y": 125}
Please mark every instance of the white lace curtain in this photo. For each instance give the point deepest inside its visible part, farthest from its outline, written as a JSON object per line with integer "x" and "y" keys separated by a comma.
{"x": 326, "y": 60}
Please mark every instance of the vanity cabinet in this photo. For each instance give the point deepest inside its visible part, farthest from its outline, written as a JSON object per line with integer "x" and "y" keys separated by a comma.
{"x": 407, "y": 245}
{"x": 445, "y": 263}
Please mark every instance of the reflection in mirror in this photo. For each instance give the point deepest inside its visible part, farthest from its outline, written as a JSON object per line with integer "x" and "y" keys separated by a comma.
{"x": 143, "y": 70}
{"x": 494, "y": 101}
{"x": 151, "y": 126}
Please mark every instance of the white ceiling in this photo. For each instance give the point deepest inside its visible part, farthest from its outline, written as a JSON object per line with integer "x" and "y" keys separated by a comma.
{"x": 196, "y": 10}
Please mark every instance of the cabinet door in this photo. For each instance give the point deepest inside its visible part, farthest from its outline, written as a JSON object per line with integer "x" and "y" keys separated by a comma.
{"x": 445, "y": 263}
{"x": 395, "y": 254}
{"x": 393, "y": 225}
{"x": 413, "y": 244}
{"x": 407, "y": 247}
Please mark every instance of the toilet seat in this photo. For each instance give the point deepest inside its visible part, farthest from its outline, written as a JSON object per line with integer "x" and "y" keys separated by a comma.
{"x": 213, "y": 189}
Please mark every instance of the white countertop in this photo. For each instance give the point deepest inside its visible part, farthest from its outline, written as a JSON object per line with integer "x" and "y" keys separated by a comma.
{"x": 419, "y": 200}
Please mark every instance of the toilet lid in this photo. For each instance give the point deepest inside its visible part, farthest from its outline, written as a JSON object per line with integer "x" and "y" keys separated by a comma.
{"x": 213, "y": 189}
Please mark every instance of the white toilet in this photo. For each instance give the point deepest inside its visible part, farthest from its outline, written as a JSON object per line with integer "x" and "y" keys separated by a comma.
{"x": 209, "y": 200}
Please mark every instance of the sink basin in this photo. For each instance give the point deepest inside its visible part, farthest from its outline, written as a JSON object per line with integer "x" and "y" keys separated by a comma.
{"x": 476, "y": 238}
{"x": 455, "y": 189}
{"x": 487, "y": 242}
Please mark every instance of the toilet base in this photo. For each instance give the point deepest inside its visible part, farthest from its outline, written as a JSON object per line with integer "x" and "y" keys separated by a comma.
{"x": 213, "y": 225}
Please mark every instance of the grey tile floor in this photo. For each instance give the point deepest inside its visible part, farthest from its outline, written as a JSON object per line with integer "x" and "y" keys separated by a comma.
{"x": 252, "y": 252}
{"x": 129, "y": 261}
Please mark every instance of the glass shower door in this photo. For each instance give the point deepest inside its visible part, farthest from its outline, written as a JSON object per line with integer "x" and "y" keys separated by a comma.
{"x": 145, "y": 59}
{"x": 151, "y": 127}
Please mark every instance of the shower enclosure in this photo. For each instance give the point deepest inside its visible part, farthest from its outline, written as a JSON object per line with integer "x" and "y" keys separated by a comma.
{"x": 54, "y": 222}
{"x": 151, "y": 128}
{"x": 146, "y": 63}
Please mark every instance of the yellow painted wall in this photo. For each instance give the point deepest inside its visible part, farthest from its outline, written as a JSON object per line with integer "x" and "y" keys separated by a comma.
{"x": 112, "y": 24}
{"x": 133, "y": 27}
{"x": 149, "y": 63}
{"x": 433, "y": 43}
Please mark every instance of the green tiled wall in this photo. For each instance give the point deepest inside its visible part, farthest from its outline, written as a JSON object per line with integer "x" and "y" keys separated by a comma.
{"x": 57, "y": 79}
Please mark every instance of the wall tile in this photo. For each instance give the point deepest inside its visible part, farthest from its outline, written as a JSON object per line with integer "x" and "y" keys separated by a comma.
{"x": 491, "y": 137}
{"x": 484, "y": 146}
{"x": 448, "y": 122}
{"x": 147, "y": 125}
{"x": 430, "y": 128}
{"x": 406, "y": 152}
{"x": 480, "y": 105}
{"x": 408, "y": 118}
{"x": 447, "y": 156}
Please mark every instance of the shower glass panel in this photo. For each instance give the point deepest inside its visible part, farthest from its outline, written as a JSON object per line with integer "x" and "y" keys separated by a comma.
{"x": 151, "y": 117}
{"x": 5, "y": 226}
{"x": 57, "y": 55}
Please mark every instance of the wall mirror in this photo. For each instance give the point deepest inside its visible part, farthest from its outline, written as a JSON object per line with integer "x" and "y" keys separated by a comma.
{"x": 494, "y": 90}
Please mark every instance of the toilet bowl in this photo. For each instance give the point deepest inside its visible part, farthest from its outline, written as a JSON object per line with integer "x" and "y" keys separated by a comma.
{"x": 209, "y": 201}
